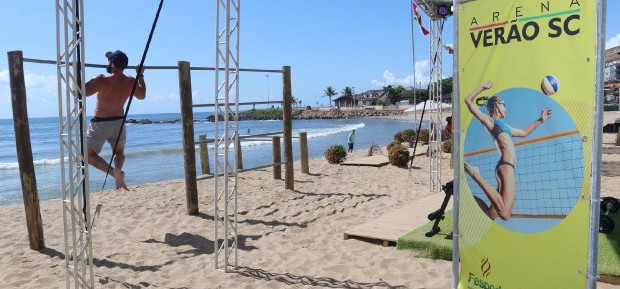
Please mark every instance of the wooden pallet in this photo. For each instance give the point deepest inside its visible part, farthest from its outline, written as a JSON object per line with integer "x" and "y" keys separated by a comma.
{"x": 398, "y": 222}
{"x": 371, "y": 161}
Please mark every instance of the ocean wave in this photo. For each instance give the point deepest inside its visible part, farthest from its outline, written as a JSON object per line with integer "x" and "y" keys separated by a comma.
{"x": 37, "y": 163}
{"x": 322, "y": 132}
{"x": 312, "y": 133}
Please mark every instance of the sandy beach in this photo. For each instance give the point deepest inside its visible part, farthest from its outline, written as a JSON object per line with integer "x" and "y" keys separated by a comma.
{"x": 287, "y": 238}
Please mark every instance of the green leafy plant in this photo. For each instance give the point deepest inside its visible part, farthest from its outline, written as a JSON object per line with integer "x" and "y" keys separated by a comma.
{"x": 335, "y": 154}
{"x": 408, "y": 135}
{"x": 393, "y": 143}
{"x": 398, "y": 155}
{"x": 423, "y": 137}
{"x": 398, "y": 136}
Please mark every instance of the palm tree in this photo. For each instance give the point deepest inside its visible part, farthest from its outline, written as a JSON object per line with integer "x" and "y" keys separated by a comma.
{"x": 329, "y": 92}
{"x": 347, "y": 91}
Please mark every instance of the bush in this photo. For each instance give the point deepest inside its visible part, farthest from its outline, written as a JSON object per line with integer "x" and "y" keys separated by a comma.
{"x": 398, "y": 155}
{"x": 335, "y": 154}
{"x": 408, "y": 135}
{"x": 405, "y": 135}
{"x": 446, "y": 146}
{"x": 423, "y": 137}
{"x": 390, "y": 145}
{"x": 399, "y": 137}
{"x": 446, "y": 135}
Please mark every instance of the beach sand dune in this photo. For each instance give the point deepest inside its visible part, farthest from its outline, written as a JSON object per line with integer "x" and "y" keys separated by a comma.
{"x": 287, "y": 239}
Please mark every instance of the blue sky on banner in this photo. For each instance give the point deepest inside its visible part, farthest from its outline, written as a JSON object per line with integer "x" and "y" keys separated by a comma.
{"x": 361, "y": 44}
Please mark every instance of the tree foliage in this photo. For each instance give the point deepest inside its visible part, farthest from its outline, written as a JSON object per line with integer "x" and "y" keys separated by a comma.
{"x": 329, "y": 92}
{"x": 348, "y": 91}
{"x": 393, "y": 94}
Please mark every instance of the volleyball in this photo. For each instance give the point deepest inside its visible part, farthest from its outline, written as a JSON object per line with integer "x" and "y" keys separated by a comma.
{"x": 550, "y": 85}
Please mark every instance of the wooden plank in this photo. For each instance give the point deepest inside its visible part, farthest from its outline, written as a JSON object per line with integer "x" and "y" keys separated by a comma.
{"x": 371, "y": 161}
{"x": 398, "y": 222}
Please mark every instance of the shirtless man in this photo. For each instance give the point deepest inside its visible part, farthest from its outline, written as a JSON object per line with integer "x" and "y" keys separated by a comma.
{"x": 112, "y": 92}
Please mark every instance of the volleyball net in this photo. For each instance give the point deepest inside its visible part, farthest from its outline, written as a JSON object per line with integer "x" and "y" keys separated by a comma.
{"x": 549, "y": 174}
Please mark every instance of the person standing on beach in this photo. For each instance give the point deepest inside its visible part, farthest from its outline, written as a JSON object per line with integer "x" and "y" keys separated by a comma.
{"x": 448, "y": 124}
{"x": 112, "y": 92}
{"x": 351, "y": 140}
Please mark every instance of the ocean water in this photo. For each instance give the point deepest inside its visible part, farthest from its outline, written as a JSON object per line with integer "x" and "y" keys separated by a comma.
{"x": 154, "y": 152}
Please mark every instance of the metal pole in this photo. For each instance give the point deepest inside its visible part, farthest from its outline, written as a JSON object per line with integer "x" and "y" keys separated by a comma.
{"x": 415, "y": 102}
{"x": 595, "y": 193}
{"x": 267, "y": 82}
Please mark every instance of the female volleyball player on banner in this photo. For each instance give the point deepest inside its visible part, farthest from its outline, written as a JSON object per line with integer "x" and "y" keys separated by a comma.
{"x": 503, "y": 197}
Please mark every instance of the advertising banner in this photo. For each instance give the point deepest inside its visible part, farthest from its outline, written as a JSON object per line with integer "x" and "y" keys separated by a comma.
{"x": 527, "y": 73}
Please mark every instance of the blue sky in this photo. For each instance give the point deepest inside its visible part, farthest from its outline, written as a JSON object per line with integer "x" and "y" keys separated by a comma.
{"x": 364, "y": 44}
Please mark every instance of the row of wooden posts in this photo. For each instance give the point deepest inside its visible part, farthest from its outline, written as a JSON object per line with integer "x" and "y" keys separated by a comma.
{"x": 187, "y": 117}
{"x": 205, "y": 167}
{"x": 30, "y": 195}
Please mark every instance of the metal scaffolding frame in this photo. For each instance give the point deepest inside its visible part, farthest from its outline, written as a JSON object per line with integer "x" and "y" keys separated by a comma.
{"x": 226, "y": 83}
{"x": 430, "y": 8}
{"x": 435, "y": 57}
{"x": 72, "y": 124}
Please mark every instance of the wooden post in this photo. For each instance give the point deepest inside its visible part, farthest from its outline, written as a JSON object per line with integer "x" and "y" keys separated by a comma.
{"x": 618, "y": 138}
{"x": 287, "y": 118}
{"x": 238, "y": 154}
{"x": 189, "y": 152}
{"x": 24, "y": 151}
{"x": 303, "y": 148}
{"x": 277, "y": 169}
{"x": 204, "y": 155}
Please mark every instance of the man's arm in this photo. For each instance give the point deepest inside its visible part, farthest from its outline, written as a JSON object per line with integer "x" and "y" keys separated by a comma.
{"x": 92, "y": 86}
{"x": 141, "y": 88}
{"x": 140, "y": 92}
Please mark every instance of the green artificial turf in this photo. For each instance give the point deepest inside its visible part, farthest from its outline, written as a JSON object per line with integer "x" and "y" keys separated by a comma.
{"x": 440, "y": 245}
{"x": 609, "y": 250}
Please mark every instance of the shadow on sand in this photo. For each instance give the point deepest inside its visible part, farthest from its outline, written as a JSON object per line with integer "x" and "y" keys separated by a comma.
{"x": 291, "y": 279}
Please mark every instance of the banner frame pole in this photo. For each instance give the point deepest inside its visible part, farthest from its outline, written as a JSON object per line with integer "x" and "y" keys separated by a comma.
{"x": 456, "y": 146}
{"x": 601, "y": 7}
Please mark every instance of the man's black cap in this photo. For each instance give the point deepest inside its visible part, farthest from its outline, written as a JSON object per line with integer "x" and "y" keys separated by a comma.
{"x": 118, "y": 57}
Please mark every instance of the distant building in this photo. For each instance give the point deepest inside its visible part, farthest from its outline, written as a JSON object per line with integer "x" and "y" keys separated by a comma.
{"x": 612, "y": 57}
{"x": 347, "y": 101}
{"x": 366, "y": 98}
{"x": 370, "y": 97}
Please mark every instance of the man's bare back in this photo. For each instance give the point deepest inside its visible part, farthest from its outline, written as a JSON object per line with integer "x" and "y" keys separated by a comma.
{"x": 112, "y": 92}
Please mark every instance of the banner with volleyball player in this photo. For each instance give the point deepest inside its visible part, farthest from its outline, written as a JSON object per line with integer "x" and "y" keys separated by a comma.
{"x": 526, "y": 72}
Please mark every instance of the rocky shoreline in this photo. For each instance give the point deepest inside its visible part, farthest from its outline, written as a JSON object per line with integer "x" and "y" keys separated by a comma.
{"x": 297, "y": 114}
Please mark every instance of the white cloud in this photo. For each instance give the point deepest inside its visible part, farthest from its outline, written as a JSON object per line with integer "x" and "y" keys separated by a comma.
{"x": 612, "y": 42}
{"x": 43, "y": 83}
{"x": 421, "y": 72}
{"x": 40, "y": 87}
{"x": 4, "y": 76}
